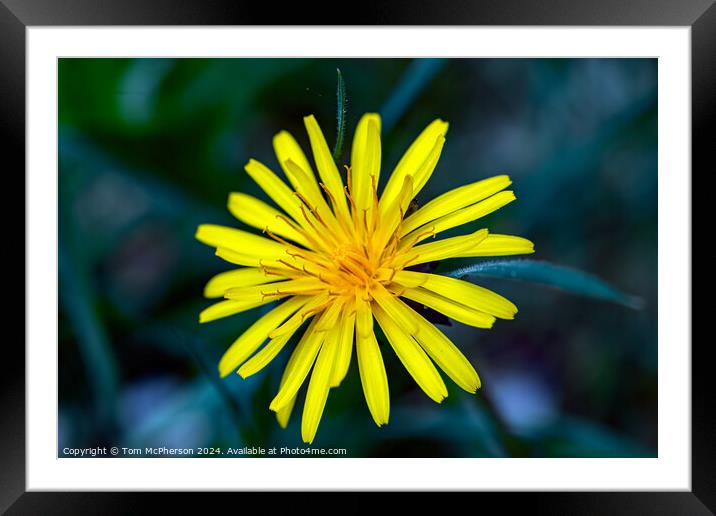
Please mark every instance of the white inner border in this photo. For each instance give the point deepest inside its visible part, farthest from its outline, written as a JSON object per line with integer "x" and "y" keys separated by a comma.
{"x": 671, "y": 470}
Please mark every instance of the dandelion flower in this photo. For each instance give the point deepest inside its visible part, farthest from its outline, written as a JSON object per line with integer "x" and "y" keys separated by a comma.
{"x": 341, "y": 256}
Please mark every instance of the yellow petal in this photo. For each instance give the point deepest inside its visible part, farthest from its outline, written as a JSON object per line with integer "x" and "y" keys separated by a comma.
{"x": 426, "y": 169}
{"x": 275, "y": 189}
{"x": 468, "y": 294}
{"x": 326, "y": 166}
{"x": 296, "y": 320}
{"x": 330, "y": 316}
{"x": 265, "y": 355}
{"x": 365, "y": 160}
{"x": 245, "y": 277}
{"x": 260, "y": 215}
{"x": 239, "y": 241}
{"x": 345, "y": 347}
{"x": 395, "y": 308}
{"x": 229, "y": 307}
{"x": 449, "y": 307}
{"x": 370, "y": 366}
{"x": 412, "y": 356}
{"x": 446, "y": 355}
{"x": 256, "y": 334}
{"x": 446, "y": 248}
{"x": 287, "y": 148}
{"x": 310, "y": 191}
{"x": 238, "y": 258}
{"x": 501, "y": 245}
{"x": 318, "y": 388}
{"x": 409, "y": 279}
{"x": 454, "y": 200}
{"x": 255, "y": 293}
{"x": 283, "y": 415}
{"x": 465, "y": 215}
{"x": 295, "y": 287}
{"x": 393, "y": 214}
{"x": 418, "y": 161}
{"x": 299, "y": 365}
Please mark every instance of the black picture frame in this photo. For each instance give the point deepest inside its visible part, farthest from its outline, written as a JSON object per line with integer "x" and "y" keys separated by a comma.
{"x": 17, "y": 15}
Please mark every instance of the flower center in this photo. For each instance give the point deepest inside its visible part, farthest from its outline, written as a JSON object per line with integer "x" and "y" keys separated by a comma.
{"x": 354, "y": 266}
{"x": 346, "y": 257}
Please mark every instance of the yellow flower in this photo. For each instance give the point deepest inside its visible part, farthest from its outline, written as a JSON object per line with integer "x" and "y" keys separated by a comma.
{"x": 341, "y": 256}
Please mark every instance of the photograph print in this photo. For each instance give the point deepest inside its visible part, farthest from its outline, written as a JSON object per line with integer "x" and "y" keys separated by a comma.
{"x": 330, "y": 258}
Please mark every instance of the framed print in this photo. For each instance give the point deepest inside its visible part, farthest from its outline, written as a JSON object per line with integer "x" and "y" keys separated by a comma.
{"x": 426, "y": 251}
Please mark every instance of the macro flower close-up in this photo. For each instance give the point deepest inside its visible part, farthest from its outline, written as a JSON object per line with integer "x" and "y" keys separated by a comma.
{"x": 347, "y": 257}
{"x": 281, "y": 257}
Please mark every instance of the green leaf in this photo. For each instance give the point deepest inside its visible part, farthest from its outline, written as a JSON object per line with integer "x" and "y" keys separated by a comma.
{"x": 557, "y": 276}
{"x": 341, "y": 108}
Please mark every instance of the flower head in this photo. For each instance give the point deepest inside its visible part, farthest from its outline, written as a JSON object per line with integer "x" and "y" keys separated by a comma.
{"x": 341, "y": 256}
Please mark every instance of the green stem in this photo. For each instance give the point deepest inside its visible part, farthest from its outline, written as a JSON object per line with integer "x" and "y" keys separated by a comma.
{"x": 341, "y": 109}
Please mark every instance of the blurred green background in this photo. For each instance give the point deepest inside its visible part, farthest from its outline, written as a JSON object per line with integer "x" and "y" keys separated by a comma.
{"x": 150, "y": 148}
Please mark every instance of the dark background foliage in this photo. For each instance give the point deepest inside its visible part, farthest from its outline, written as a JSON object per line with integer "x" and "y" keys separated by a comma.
{"x": 150, "y": 148}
